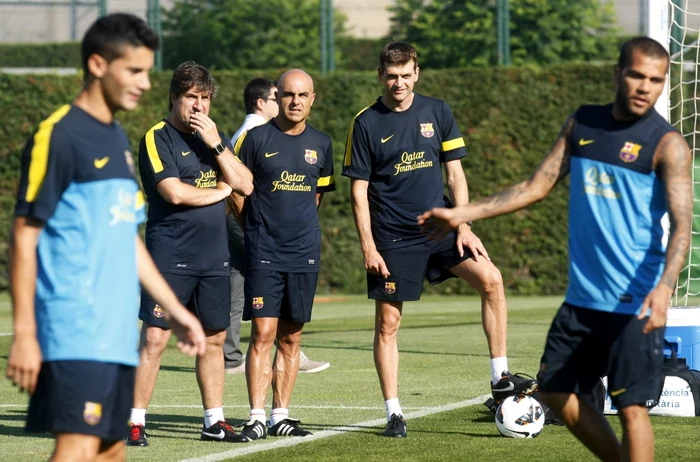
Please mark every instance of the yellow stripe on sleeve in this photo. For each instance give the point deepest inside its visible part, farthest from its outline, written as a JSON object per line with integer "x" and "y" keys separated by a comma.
{"x": 239, "y": 142}
{"x": 40, "y": 153}
{"x": 348, "y": 146}
{"x": 140, "y": 201}
{"x": 151, "y": 148}
{"x": 452, "y": 144}
{"x": 325, "y": 181}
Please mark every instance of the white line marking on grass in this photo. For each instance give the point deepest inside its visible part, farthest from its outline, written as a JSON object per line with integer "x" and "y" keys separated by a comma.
{"x": 287, "y": 442}
{"x": 245, "y": 406}
{"x": 6, "y": 334}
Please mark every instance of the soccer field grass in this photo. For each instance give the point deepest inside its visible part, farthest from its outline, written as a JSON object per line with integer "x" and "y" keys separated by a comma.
{"x": 442, "y": 383}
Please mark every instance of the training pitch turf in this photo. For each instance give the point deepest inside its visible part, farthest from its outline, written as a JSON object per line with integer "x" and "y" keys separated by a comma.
{"x": 442, "y": 382}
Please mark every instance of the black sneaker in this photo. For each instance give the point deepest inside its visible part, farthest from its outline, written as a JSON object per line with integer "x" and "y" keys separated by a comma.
{"x": 137, "y": 436}
{"x": 513, "y": 384}
{"x": 222, "y": 431}
{"x": 288, "y": 427}
{"x": 254, "y": 430}
{"x": 395, "y": 427}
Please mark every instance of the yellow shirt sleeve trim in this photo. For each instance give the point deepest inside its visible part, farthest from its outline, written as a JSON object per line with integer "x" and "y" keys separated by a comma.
{"x": 40, "y": 153}
{"x": 348, "y": 145}
{"x": 151, "y": 148}
{"x": 325, "y": 181}
{"x": 452, "y": 144}
{"x": 239, "y": 142}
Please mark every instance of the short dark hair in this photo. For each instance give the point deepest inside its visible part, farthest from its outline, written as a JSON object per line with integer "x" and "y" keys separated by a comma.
{"x": 109, "y": 34}
{"x": 255, "y": 90}
{"x": 648, "y": 46}
{"x": 190, "y": 75}
{"x": 397, "y": 54}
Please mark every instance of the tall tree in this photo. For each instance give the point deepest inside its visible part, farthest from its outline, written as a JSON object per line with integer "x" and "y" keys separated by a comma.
{"x": 457, "y": 33}
{"x": 245, "y": 34}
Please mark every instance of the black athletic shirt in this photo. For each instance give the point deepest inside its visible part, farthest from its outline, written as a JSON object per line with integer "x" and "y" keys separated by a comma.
{"x": 282, "y": 230}
{"x": 399, "y": 154}
{"x": 183, "y": 239}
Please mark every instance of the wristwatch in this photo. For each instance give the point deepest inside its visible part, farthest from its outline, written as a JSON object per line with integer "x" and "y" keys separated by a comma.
{"x": 218, "y": 149}
{"x": 469, "y": 223}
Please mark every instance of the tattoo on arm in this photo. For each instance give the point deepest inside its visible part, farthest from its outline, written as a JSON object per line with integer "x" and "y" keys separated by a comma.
{"x": 551, "y": 170}
{"x": 673, "y": 165}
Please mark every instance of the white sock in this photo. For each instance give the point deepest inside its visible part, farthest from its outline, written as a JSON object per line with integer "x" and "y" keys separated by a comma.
{"x": 498, "y": 366}
{"x": 258, "y": 414}
{"x": 137, "y": 417}
{"x": 392, "y": 407}
{"x": 277, "y": 415}
{"x": 213, "y": 415}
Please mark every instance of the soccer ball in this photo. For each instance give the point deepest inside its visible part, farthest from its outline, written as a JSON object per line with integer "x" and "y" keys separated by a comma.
{"x": 520, "y": 417}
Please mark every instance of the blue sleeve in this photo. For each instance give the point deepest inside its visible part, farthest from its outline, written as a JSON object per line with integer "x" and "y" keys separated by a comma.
{"x": 160, "y": 161}
{"x": 47, "y": 171}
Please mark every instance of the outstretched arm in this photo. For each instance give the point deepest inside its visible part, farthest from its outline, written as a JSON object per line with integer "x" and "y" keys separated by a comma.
{"x": 551, "y": 170}
{"x": 673, "y": 164}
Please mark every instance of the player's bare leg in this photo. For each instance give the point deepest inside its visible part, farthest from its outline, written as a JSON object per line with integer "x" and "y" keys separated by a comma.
{"x": 75, "y": 446}
{"x": 637, "y": 434}
{"x": 483, "y": 276}
{"x": 258, "y": 365}
{"x": 112, "y": 451}
{"x": 210, "y": 370}
{"x": 386, "y": 351}
{"x": 286, "y": 367}
{"x": 586, "y": 423}
{"x": 152, "y": 344}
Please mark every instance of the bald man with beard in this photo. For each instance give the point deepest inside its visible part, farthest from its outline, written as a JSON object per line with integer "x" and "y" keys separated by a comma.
{"x": 292, "y": 165}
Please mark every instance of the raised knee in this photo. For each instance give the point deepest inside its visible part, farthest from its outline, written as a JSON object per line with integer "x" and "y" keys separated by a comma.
{"x": 492, "y": 281}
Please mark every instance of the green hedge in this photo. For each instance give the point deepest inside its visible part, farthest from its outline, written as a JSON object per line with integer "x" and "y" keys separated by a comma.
{"x": 65, "y": 54}
{"x": 509, "y": 117}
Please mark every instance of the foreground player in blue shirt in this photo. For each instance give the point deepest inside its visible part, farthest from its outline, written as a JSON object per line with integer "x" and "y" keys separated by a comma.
{"x": 76, "y": 257}
{"x": 628, "y": 167}
{"x": 292, "y": 165}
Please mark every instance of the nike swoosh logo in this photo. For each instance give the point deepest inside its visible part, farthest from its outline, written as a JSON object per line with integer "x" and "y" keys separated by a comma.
{"x": 583, "y": 142}
{"x": 185, "y": 153}
{"x": 219, "y": 435}
{"x": 384, "y": 140}
{"x": 510, "y": 387}
{"x": 99, "y": 163}
{"x": 270, "y": 154}
{"x": 618, "y": 392}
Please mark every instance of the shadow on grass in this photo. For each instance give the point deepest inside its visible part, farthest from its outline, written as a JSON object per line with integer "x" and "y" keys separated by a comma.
{"x": 19, "y": 416}
{"x": 174, "y": 426}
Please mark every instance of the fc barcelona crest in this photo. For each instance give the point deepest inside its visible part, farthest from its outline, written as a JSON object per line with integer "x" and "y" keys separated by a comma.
{"x": 158, "y": 311}
{"x": 310, "y": 156}
{"x": 630, "y": 152}
{"x": 427, "y": 130}
{"x": 389, "y": 287}
{"x": 92, "y": 413}
{"x": 258, "y": 302}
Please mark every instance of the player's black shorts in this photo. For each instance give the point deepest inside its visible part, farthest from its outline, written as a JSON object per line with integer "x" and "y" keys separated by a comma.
{"x": 272, "y": 294}
{"x": 410, "y": 265}
{"x": 584, "y": 345}
{"x": 208, "y": 297}
{"x": 86, "y": 397}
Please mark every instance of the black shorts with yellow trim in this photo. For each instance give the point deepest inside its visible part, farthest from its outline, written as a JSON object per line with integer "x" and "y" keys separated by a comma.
{"x": 585, "y": 344}
{"x": 409, "y": 266}
{"x": 85, "y": 397}
{"x": 283, "y": 295}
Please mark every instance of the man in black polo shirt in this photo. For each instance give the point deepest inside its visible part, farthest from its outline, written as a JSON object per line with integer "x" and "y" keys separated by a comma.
{"x": 292, "y": 165}
{"x": 187, "y": 172}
